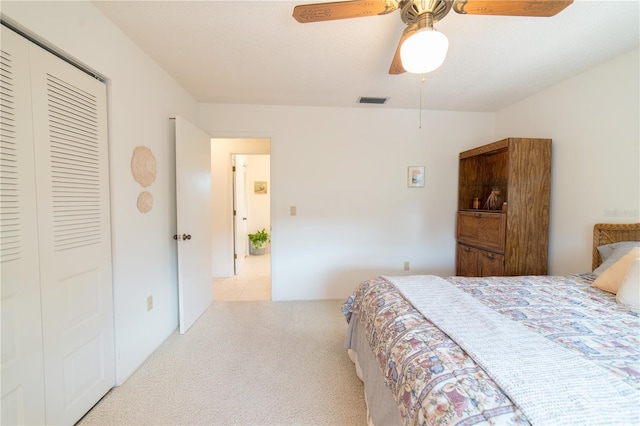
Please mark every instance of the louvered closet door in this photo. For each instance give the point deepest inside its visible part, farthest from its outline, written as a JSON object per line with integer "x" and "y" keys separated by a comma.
{"x": 70, "y": 133}
{"x": 21, "y": 371}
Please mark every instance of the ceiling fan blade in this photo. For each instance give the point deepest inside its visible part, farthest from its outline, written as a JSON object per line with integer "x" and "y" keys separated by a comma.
{"x": 542, "y": 8}
{"x": 342, "y": 9}
{"x": 396, "y": 65}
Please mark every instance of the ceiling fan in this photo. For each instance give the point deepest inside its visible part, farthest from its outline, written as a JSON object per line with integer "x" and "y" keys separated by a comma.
{"x": 421, "y": 48}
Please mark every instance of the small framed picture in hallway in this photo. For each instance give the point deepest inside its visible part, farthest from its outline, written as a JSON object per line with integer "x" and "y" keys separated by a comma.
{"x": 260, "y": 187}
{"x": 415, "y": 178}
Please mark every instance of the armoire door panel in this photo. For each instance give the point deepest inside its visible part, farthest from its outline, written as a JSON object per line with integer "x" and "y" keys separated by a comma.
{"x": 22, "y": 349}
{"x": 72, "y": 181}
{"x": 466, "y": 261}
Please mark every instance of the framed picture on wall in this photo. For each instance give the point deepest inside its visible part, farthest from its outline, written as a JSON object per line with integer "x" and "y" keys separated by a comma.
{"x": 259, "y": 187}
{"x": 415, "y": 177}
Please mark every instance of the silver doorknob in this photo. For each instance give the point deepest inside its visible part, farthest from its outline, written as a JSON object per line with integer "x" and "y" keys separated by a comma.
{"x": 186, "y": 236}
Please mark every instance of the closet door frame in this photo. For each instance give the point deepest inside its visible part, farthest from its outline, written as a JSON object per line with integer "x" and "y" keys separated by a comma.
{"x": 70, "y": 303}
{"x": 72, "y": 180}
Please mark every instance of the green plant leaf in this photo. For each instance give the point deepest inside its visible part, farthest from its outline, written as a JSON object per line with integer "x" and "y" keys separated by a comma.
{"x": 259, "y": 239}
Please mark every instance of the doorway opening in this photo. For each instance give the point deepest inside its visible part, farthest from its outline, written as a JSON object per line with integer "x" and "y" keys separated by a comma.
{"x": 241, "y": 186}
{"x": 251, "y": 206}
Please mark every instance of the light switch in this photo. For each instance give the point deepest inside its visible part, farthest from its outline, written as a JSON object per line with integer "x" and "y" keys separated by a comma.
{"x": 292, "y": 210}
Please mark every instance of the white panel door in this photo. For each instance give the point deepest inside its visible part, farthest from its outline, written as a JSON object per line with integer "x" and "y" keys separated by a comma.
{"x": 193, "y": 198}
{"x": 22, "y": 370}
{"x": 72, "y": 180}
{"x": 240, "y": 213}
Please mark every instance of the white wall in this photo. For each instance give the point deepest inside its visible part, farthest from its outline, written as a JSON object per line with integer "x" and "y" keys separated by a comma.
{"x": 141, "y": 99}
{"x": 345, "y": 169}
{"x": 593, "y": 119}
{"x": 259, "y": 205}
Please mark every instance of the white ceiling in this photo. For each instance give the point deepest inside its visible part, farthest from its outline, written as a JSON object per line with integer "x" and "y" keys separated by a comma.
{"x": 254, "y": 52}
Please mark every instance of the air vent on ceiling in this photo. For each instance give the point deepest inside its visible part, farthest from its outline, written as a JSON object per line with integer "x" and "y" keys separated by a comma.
{"x": 370, "y": 100}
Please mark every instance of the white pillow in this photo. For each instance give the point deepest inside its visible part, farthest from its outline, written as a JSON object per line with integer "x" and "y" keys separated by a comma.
{"x": 629, "y": 291}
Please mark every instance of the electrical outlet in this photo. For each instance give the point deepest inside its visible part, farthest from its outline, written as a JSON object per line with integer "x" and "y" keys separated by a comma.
{"x": 292, "y": 210}
{"x": 406, "y": 265}
{"x": 149, "y": 303}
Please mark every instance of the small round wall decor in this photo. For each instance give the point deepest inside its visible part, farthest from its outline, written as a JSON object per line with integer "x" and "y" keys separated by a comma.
{"x": 145, "y": 202}
{"x": 143, "y": 166}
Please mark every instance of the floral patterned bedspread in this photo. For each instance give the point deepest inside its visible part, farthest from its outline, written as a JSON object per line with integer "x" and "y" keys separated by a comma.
{"x": 436, "y": 383}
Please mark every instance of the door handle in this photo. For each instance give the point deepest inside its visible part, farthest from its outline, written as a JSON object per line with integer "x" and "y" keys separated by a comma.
{"x": 186, "y": 236}
{"x": 175, "y": 236}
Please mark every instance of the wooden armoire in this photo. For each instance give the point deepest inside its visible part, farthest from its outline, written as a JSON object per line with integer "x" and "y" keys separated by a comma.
{"x": 509, "y": 236}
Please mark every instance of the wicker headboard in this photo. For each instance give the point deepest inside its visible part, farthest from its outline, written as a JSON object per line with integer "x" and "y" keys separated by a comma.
{"x": 607, "y": 233}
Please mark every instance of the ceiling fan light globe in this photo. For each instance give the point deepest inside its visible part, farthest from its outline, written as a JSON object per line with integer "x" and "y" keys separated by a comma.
{"x": 424, "y": 51}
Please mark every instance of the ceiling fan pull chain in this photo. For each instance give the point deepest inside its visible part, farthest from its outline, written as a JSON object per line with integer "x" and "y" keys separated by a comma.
{"x": 421, "y": 88}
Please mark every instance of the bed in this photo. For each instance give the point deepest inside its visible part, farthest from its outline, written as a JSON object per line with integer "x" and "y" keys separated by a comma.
{"x": 501, "y": 350}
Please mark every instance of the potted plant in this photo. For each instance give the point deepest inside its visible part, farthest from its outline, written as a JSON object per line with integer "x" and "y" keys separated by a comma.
{"x": 258, "y": 241}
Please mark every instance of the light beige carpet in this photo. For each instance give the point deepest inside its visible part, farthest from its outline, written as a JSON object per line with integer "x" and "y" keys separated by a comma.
{"x": 245, "y": 363}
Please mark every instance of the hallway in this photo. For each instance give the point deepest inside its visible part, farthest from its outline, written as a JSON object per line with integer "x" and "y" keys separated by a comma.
{"x": 251, "y": 284}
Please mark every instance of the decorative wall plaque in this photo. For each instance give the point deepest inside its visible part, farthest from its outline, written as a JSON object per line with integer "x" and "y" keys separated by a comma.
{"x": 259, "y": 187}
{"x": 145, "y": 202}
{"x": 143, "y": 166}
